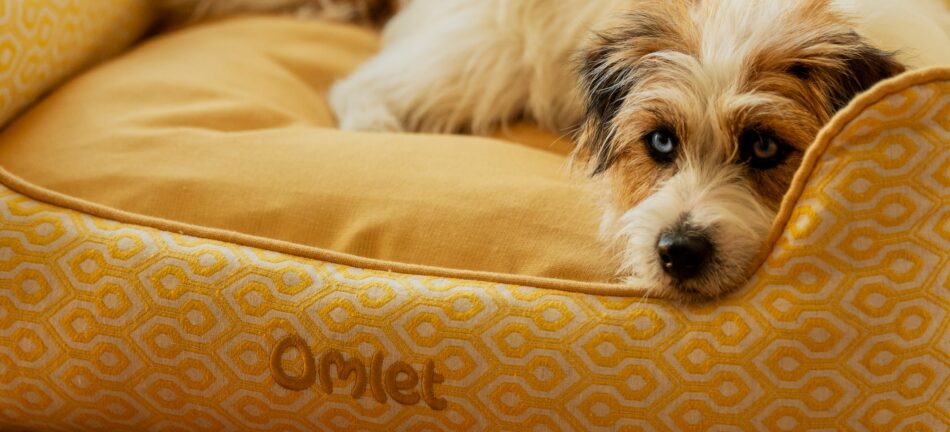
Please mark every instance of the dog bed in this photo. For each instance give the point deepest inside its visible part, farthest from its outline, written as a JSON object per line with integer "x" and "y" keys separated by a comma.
{"x": 187, "y": 244}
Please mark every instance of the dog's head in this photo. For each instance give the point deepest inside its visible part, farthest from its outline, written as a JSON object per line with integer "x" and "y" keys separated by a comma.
{"x": 699, "y": 112}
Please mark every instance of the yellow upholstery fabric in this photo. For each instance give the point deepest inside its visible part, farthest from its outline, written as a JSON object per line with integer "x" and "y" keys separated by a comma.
{"x": 226, "y": 126}
{"x": 114, "y": 326}
{"x": 44, "y": 41}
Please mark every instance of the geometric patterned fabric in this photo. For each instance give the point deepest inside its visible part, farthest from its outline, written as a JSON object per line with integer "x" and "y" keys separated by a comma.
{"x": 43, "y": 41}
{"x": 112, "y": 326}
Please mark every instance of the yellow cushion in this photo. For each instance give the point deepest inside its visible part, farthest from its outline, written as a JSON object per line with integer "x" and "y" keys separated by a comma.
{"x": 44, "y": 41}
{"x": 226, "y": 126}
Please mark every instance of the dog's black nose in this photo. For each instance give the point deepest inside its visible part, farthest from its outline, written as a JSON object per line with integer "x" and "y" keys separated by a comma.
{"x": 684, "y": 254}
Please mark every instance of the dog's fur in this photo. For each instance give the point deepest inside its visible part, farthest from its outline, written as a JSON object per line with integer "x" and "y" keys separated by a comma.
{"x": 179, "y": 12}
{"x": 722, "y": 80}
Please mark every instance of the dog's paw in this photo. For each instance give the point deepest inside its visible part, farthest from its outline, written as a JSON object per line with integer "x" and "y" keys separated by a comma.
{"x": 372, "y": 118}
{"x": 357, "y": 109}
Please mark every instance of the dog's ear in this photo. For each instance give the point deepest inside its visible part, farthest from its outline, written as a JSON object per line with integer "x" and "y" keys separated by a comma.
{"x": 605, "y": 83}
{"x": 611, "y": 69}
{"x": 861, "y": 68}
{"x": 845, "y": 66}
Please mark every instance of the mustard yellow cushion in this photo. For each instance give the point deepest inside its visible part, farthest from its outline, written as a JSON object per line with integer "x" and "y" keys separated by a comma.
{"x": 226, "y": 126}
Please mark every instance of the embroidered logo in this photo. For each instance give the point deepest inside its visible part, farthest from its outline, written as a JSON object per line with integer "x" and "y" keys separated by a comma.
{"x": 399, "y": 381}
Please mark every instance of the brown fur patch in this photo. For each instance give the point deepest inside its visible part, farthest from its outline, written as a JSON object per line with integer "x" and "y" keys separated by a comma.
{"x": 175, "y": 13}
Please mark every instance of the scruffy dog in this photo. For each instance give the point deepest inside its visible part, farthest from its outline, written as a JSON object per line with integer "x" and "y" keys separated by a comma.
{"x": 692, "y": 114}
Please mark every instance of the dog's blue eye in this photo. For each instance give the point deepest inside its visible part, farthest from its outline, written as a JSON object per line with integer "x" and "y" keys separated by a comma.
{"x": 762, "y": 150}
{"x": 661, "y": 144}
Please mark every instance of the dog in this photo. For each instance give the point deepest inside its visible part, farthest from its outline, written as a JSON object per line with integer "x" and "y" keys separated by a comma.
{"x": 690, "y": 116}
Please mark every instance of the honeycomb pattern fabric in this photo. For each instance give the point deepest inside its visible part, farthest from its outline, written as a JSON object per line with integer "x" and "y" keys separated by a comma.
{"x": 112, "y": 326}
{"x": 43, "y": 42}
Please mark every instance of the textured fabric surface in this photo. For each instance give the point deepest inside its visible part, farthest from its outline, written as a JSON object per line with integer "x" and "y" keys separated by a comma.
{"x": 44, "y": 41}
{"x": 226, "y": 126}
{"x": 113, "y": 326}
